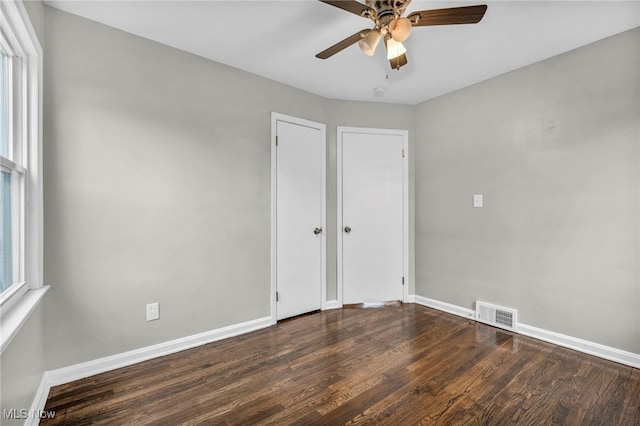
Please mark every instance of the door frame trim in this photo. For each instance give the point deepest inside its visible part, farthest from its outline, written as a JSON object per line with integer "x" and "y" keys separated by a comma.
{"x": 405, "y": 204}
{"x": 275, "y": 117}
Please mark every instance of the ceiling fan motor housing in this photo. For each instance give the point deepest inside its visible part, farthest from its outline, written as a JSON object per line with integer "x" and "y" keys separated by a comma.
{"x": 386, "y": 10}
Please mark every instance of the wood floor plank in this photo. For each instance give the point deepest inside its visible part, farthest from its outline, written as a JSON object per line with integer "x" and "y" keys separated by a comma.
{"x": 510, "y": 389}
{"x": 393, "y": 364}
{"x": 631, "y": 404}
{"x": 532, "y": 395}
{"x": 607, "y": 385}
{"x": 487, "y": 377}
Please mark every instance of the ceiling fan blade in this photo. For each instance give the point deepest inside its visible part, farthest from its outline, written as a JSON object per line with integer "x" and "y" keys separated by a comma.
{"x": 449, "y": 16}
{"x": 342, "y": 44}
{"x": 351, "y": 6}
{"x": 398, "y": 62}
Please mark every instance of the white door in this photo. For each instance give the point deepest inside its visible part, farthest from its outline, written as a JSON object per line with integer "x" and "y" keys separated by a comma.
{"x": 299, "y": 188}
{"x": 373, "y": 214}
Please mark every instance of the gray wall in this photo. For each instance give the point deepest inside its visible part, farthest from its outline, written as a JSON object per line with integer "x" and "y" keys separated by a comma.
{"x": 157, "y": 188}
{"x": 554, "y": 149}
{"x": 22, "y": 363}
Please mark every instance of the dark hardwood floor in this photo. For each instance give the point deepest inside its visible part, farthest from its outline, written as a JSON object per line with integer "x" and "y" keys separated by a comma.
{"x": 396, "y": 365}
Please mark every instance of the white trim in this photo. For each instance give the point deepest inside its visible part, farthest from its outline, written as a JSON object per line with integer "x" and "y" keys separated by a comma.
{"x": 275, "y": 117}
{"x": 13, "y": 32}
{"x": 339, "y": 224}
{"x": 580, "y": 345}
{"x": 331, "y": 304}
{"x": 90, "y": 368}
{"x": 11, "y": 296}
{"x": 17, "y": 308}
{"x": 405, "y": 215}
{"x": 34, "y": 244}
{"x": 446, "y": 307}
{"x": 274, "y": 210}
{"x": 9, "y": 166}
{"x": 31, "y": 49}
{"x": 405, "y": 203}
{"x": 39, "y": 402}
{"x": 101, "y": 365}
{"x": 14, "y": 318}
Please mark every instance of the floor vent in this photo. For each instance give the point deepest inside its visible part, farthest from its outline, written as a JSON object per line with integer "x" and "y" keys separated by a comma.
{"x": 496, "y": 316}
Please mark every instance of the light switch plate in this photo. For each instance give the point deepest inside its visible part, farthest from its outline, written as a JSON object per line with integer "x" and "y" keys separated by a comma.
{"x": 153, "y": 311}
{"x": 477, "y": 200}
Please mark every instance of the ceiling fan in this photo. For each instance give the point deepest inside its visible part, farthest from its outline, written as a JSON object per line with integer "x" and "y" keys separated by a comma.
{"x": 390, "y": 26}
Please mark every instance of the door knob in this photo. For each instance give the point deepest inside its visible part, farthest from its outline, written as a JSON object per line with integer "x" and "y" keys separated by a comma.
{"x": 347, "y": 229}
{"x": 317, "y": 231}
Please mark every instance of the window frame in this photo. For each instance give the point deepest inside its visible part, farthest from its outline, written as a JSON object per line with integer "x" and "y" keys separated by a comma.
{"x": 19, "y": 42}
{"x": 13, "y": 164}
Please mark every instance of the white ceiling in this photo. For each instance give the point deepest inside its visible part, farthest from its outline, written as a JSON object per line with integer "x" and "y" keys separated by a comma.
{"x": 279, "y": 40}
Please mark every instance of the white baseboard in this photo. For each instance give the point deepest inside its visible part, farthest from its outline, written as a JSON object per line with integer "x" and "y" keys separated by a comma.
{"x": 101, "y": 365}
{"x": 39, "y": 401}
{"x": 331, "y": 304}
{"x": 411, "y": 298}
{"x": 584, "y": 346}
{"x": 446, "y": 307}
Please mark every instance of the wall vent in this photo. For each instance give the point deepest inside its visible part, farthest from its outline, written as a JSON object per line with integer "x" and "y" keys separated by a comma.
{"x": 496, "y": 316}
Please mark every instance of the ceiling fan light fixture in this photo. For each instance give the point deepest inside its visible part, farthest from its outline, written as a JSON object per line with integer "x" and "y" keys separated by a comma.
{"x": 369, "y": 42}
{"x": 394, "y": 49}
{"x": 400, "y": 29}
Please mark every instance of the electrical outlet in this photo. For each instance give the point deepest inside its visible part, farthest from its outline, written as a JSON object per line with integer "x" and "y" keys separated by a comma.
{"x": 153, "y": 311}
{"x": 477, "y": 200}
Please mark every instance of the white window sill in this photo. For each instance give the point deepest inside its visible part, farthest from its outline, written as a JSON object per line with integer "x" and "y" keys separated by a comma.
{"x": 18, "y": 314}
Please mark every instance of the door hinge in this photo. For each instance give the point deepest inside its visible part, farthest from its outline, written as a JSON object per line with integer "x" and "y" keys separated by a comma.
{"x": 402, "y": 280}
{"x": 402, "y": 152}
{"x": 276, "y": 140}
{"x": 277, "y": 296}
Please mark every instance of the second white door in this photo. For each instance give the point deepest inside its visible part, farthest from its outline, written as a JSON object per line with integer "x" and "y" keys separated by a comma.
{"x": 373, "y": 214}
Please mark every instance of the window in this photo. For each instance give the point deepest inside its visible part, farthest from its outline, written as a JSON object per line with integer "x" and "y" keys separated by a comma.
{"x": 7, "y": 277}
{"x": 20, "y": 170}
{"x": 6, "y": 255}
{"x": 12, "y": 179}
